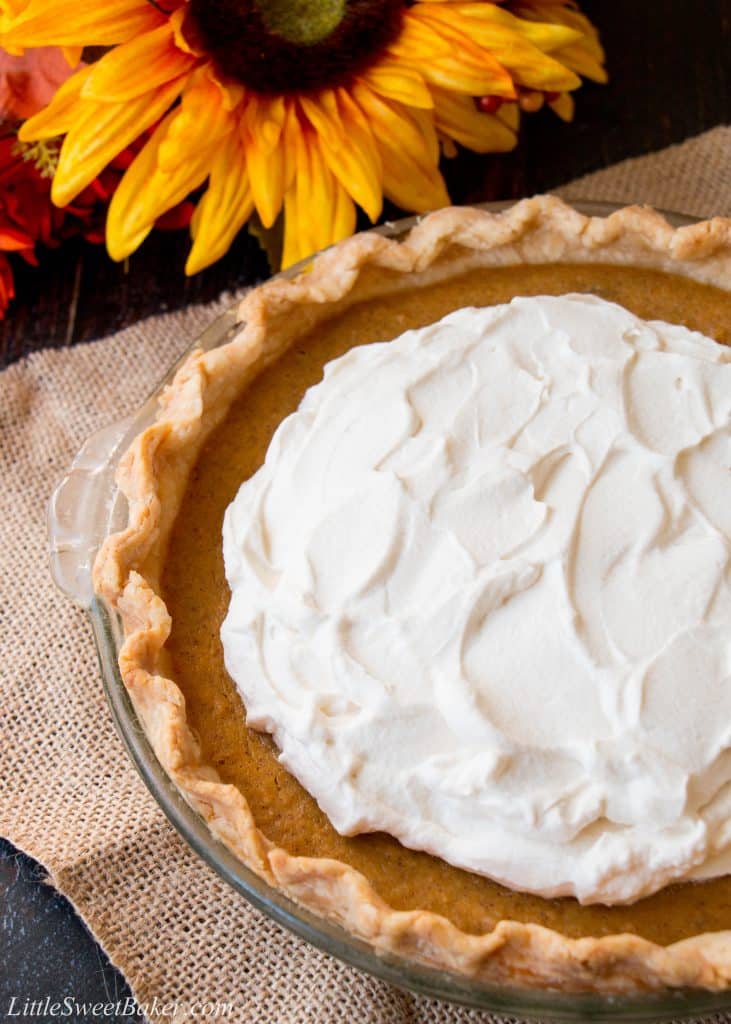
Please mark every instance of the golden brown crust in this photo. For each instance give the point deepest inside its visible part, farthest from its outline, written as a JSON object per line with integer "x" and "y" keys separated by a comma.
{"x": 153, "y": 475}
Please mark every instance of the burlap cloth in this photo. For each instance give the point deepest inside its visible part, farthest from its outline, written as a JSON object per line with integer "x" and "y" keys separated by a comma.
{"x": 69, "y": 796}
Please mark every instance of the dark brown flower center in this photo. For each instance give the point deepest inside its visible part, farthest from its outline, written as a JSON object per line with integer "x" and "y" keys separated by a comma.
{"x": 281, "y": 46}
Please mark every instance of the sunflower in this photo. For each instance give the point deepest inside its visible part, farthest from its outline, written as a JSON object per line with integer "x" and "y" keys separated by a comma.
{"x": 306, "y": 108}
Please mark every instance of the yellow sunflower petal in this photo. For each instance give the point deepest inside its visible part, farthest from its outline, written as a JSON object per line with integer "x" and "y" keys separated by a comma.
{"x": 129, "y": 220}
{"x": 102, "y": 130}
{"x": 232, "y": 93}
{"x": 357, "y": 165}
{"x": 509, "y": 114}
{"x": 317, "y": 209}
{"x": 493, "y": 24}
{"x": 316, "y": 192}
{"x": 177, "y": 21}
{"x": 296, "y": 202}
{"x": 12, "y": 8}
{"x": 323, "y": 114}
{"x": 424, "y": 122}
{"x": 417, "y": 42}
{"x": 292, "y": 127}
{"x": 409, "y": 152}
{"x": 137, "y": 66}
{"x": 563, "y": 105}
{"x": 409, "y": 185}
{"x": 59, "y": 115}
{"x": 585, "y": 55}
{"x": 72, "y": 55}
{"x": 262, "y": 122}
{"x": 347, "y": 144}
{"x": 505, "y": 38}
{"x": 61, "y": 23}
{"x": 396, "y": 82}
{"x": 409, "y": 148}
{"x": 292, "y": 245}
{"x": 200, "y": 122}
{"x": 146, "y": 191}
{"x": 582, "y": 60}
{"x": 264, "y": 119}
{"x": 226, "y": 205}
{"x": 458, "y": 118}
{"x": 342, "y": 221}
{"x": 267, "y": 183}
{"x": 448, "y": 58}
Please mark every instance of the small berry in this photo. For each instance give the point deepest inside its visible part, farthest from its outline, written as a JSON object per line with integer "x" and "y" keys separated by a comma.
{"x": 489, "y": 104}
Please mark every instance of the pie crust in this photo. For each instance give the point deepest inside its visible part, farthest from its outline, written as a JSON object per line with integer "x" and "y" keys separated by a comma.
{"x": 153, "y": 475}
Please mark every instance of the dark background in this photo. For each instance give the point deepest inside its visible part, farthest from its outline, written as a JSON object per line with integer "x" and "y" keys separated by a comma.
{"x": 670, "y": 65}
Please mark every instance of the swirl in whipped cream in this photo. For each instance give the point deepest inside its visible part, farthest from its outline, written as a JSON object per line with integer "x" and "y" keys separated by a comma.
{"x": 481, "y": 596}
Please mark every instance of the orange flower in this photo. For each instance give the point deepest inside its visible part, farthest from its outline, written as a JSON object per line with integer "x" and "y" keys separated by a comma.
{"x": 30, "y": 81}
{"x": 307, "y": 107}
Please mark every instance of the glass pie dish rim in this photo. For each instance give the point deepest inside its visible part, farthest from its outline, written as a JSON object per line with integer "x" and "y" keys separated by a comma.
{"x": 84, "y": 508}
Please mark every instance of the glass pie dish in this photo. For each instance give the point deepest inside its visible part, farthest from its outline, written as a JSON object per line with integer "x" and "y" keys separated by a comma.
{"x": 84, "y": 509}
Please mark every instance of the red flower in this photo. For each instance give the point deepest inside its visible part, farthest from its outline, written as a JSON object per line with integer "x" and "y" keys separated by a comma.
{"x": 7, "y": 285}
{"x": 28, "y": 217}
{"x": 26, "y": 214}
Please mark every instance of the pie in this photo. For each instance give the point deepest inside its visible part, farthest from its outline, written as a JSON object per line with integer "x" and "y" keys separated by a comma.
{"x": 165, "y": 576}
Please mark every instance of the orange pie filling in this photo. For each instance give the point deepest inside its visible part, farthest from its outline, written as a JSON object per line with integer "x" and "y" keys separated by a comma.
{"x": 197, "y": 596}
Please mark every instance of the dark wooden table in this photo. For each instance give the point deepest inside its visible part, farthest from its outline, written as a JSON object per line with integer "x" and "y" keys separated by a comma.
{"x": 670, "y": 65}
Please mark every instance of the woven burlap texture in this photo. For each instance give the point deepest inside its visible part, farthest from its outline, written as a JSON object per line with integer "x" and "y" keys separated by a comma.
{"x": 69, "y": 795}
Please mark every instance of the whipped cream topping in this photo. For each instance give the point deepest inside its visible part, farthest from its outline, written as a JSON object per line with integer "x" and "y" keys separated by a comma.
{"x": 481, "y": 596}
